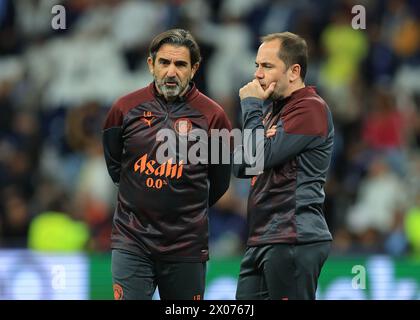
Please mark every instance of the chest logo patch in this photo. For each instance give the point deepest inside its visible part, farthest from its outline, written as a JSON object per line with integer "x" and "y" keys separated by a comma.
{"x": 147, "y": 118}
{"x": 183, "y": 126}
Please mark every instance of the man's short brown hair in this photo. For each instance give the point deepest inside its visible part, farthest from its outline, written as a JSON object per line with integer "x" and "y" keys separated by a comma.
{"x": 293, "y": 49}
{"x": 179, "y": 38}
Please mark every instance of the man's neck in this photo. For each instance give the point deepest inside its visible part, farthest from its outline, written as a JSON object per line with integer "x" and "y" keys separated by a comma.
{"x": 293, "y": 88}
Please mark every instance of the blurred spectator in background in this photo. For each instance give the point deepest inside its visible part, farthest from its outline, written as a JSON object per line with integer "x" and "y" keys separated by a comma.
{"x": 15, "y": 220}
{"x": 381, "y": 196}
{"x": 94, "y": 192}
{"x": 227, "y": 226}
{"x": 59, "y": 229}
{"x": 232, "y": 43}
{"x": 411, "y": 223}
{"x": 412, "y": 227}
{"x": 344, "y": 49}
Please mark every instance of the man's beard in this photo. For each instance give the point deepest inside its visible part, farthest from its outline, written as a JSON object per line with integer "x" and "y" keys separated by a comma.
{"x": 276, "y": 96}
{"x": 278, "y": 93}
{"x": 171, "y": 92}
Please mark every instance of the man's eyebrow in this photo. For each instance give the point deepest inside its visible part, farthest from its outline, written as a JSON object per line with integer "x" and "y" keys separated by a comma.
{"x": 181, "y": 62}
{"x": 177, "y": 62}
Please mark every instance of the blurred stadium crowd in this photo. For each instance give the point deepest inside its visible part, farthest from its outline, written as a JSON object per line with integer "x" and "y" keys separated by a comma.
{"x": 56, "y": 87}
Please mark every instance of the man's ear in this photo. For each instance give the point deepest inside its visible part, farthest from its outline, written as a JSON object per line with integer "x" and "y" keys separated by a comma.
{"x": 150, "y": 64}
{"x": 294, "y": 72}
{"x": 194, "y": 69}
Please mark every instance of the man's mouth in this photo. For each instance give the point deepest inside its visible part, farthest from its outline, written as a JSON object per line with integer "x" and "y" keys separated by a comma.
{"x": 171, "y": 83}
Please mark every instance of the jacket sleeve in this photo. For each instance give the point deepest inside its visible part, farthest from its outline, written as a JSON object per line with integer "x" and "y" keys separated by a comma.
{"x": 303, "y": 126}
{"x": 219, "y": 173}
{"x": 112, "y": 142}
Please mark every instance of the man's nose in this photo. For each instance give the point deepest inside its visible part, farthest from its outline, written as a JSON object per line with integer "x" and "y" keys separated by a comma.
{"x": 258, "y": 73}
{"x": 171, "y": 70}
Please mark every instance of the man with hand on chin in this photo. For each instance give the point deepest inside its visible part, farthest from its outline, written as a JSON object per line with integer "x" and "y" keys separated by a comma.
{"x": 288, "y": 238}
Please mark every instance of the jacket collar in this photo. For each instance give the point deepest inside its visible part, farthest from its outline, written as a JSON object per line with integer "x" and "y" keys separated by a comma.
{"x": 297, "y": 94}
